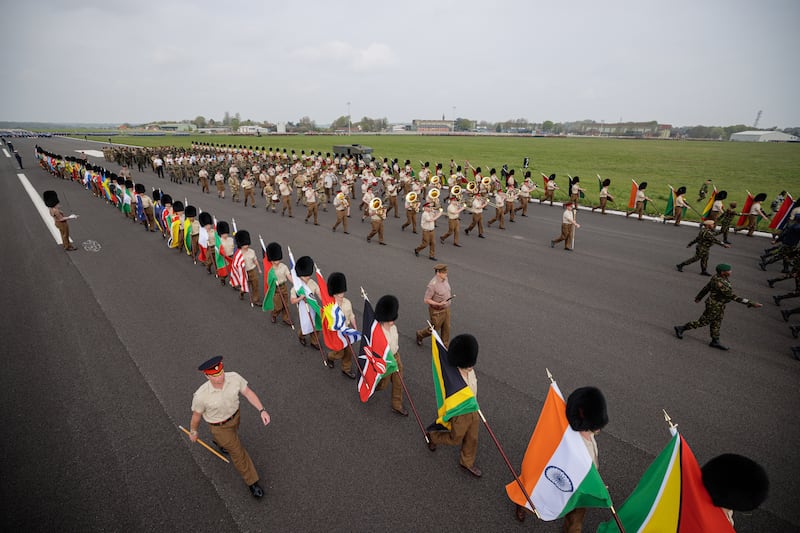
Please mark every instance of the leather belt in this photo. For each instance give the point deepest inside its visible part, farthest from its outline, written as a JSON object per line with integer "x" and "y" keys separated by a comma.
{"x": 224, "y": 421}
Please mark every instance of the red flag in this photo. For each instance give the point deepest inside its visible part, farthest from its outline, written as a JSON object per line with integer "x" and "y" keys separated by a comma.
{"x": 332, "y": 340}
{"x": 371, "y": 355}
{"x": 780, "y": 217}
{"x": 748, "y": 203}
{"x": 632, "y": 197}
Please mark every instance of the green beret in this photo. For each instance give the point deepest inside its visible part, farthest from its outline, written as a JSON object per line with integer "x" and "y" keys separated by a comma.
{"x": 723, "y": 267}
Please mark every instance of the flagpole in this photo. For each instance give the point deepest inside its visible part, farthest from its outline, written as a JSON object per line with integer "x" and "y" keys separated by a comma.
{"x": 508, "y": 463}
{"x": 413, "y": 407}
{"x": 206, "y": 446}
{"x": 311, "y": 320}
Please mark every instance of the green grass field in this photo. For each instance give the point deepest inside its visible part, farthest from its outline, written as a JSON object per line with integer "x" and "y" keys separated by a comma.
{"x": 734, "y": 166}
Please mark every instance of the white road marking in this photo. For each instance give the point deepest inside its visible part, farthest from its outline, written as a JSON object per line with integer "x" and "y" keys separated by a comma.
{"x": 38, "y": 203}
{"x": 93, "y": 153}
{"x": 6, "y": 152}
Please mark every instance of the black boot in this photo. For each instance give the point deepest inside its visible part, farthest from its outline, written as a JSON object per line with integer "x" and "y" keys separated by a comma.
{"x": 679, "y": 331}
{"x": 771, "y": 283}
{"x": 715, "y": 344}
{"x": 777, "y": 299}
{"x": 796, "y": 352}
{"x": 795, "y": 330}
{"x": 679, "y": 267}
{"x": 785, "y": 314}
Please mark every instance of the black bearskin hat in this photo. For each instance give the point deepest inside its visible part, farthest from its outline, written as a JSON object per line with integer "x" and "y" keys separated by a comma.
{"x": 551, "y": 177}
{"x": 586, "y": 409}
{"x": 156, "y": 195}
{"x": 242, "y": 238}
{"x": 139, "y": 188}
{"x": 681, "y": 190}
{"x": 304, "y": 266}
{"x": 760, "y": 197}
{"x": 386, "y": 308}
{"x": 50, "y": 198}
{"x": 463, "y": 351}
{"x": 177, "y": 206}
{"x": 274, "y": 252}
{"x": 337, "y": 283}
{"x": 223, "y": 227}
{"x": 129, "y": 184}
{"x": 721, "y": 195}
{"x": 642, "y": 185}
{"x": 190, "y": 211}
{"x": 166, "y": 199}
{"x": 205, "y": 219}
{"x": 735, "y": 482}
{"x": 606, "y": 182}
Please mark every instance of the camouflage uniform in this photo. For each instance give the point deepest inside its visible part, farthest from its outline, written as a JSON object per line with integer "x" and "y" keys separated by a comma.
{"x": 724, "y": 222}
{"x": 720, "y": 292}
{"x": 704, "y": 240}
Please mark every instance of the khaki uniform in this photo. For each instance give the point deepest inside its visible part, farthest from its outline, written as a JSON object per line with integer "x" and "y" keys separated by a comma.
{"x": 220, "y": 409}
{"x": 439, "y": 291}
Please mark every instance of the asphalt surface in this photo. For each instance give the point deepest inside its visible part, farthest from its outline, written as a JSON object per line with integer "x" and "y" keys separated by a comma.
{"x": 101, "y": 349}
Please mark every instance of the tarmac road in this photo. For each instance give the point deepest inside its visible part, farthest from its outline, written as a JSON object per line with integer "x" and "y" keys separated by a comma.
{"x": 101, "y": 349}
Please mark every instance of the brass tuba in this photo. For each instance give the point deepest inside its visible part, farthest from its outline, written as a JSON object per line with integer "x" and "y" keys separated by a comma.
{"x": 456, "y": 191}
{"x": 411, "y": 197}
{"x": 486, "y": 181}
{"x": 376, "y": 204}
{"x": 433, "y": 194}
{"x": 434, "y": 180}
{"x": 472, "y": 187}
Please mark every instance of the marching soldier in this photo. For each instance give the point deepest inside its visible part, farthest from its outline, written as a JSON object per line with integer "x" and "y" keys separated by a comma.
{"x": 720, "y": 292}
{"x": 725, "y": 220}
{"x": 386, "y": 310}
{"x": 51, "y": 201}
{"x": 147, "y": 207}
{"x": 454, "y": 210}
{"x": 202, "y": 178}
{"x": 311, "y": 203}
{"x": 391, "y": 190}
{"x": 304, "y": 268}
{"x": 754, "y": 214}
{"x": 251, "y": 266}
{"x": 226, "y": 249}
{"x": 550, "y": 189}
{"x": 462, "y": 354}
{"x": 704, "y": 240}
{"x": 219, "y": 181}
{"x": 377, "y": 215}
{"x": 217, "y": 402}
{"x": 511, "y": 199}
{"x": 641, "y": 198}
{"x": 286, "y": 196}
{"x": 438, "y": 298}
{"x": 194, "y": 232}
{"x": 249, "y": 187}
{"x": 207, "y": 222}
{"x": 428, "y": 223}
{"x": 604, "y": 196}
{"x": 679, "y": 205}
{"x": 233, "y": 183}
{"x": 282, "y": 277}
{"x": 337, "y": 286}
{"x": 342, "y": 206}
{"x": 568, "y": 226}
{"x": 412, "y": 208}
{"x": 575, "y": 191}
{"x": 478, "y": 204}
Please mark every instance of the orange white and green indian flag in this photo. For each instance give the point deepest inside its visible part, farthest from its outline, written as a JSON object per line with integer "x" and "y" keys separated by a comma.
{"x": 557, "y": 471}
{"x": 671, "y": 498}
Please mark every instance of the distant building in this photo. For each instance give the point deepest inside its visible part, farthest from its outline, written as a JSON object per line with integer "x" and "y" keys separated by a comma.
{"x": 251, "y": 130}
{"x": 763, "y": 136}
{"x": 180, "y": 126}
{"x": 433, "y": 126}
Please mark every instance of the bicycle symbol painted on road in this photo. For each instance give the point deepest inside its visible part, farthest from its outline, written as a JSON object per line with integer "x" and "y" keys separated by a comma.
{"x": 91, "y": 246}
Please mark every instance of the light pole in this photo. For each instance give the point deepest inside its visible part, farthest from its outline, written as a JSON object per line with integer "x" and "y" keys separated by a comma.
{"x": 348, "y": 118}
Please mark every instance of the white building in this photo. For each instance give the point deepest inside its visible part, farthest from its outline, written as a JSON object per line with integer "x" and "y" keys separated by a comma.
{"x": 763, "y": 136}
{"x": 251, "y": 130}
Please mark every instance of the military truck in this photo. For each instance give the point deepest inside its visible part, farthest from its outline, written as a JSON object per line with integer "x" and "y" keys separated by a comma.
{"x": 359, "y": 151}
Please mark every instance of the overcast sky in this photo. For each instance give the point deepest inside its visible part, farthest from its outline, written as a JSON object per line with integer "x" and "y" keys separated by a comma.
{"x": 680, "y": 62}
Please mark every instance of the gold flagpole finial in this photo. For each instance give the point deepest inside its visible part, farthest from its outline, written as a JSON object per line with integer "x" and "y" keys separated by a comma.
{"x": 549, "y": 375}
{"x": 669, "y": 420}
